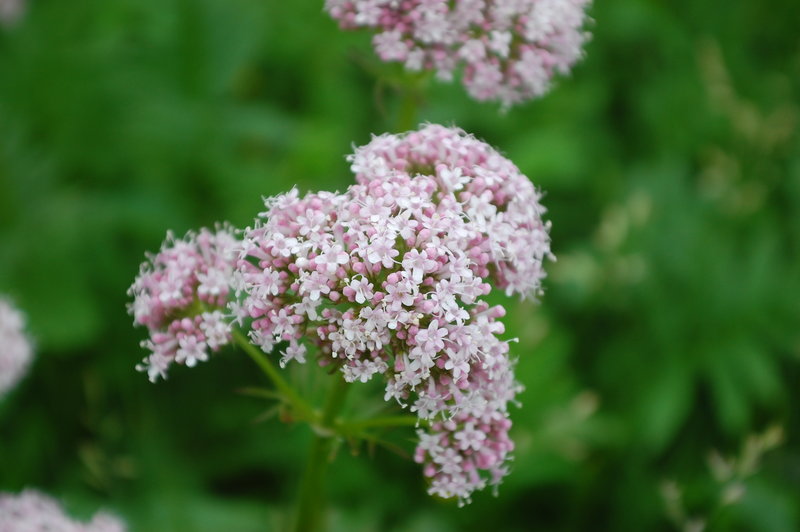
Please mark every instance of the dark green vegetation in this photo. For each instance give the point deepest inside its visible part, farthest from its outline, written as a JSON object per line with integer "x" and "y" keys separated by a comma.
{"x": 671, "y": 161}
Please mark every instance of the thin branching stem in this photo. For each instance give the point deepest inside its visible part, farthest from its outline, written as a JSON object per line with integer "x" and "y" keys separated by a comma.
{"x": 301, "y": 409}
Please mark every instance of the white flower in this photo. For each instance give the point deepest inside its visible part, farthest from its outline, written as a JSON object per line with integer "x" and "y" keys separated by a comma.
{"x": 295, "y": 351}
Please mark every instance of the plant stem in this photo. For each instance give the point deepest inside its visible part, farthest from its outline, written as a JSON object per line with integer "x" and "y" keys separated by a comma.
{"x": 299, "y": 406}
{"x": 310, "y": 506}
{"x": 411, "y": 91}
{"x": 409, "y": 104}
{"x": 383, "y": 422}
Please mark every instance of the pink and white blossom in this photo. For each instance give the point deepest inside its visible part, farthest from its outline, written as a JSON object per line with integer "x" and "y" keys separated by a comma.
{"x": 510, "y": 50}
{"x": 180, "y": 295}
{"x": 388, "y": 278}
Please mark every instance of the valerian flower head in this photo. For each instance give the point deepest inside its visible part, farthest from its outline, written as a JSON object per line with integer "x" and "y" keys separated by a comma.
{"x": 181, "y": 295}
{"x": 34, "y": 511}
{"x": 509, "y": 49}
{"x": 388, "y": 278}
{"x": 16, "y": 352}
{"x": 499, "y": 203}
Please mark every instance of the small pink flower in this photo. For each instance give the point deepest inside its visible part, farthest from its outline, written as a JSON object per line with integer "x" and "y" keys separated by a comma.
{"x": 296, "y": 352}
{"x": 431, "y": 339}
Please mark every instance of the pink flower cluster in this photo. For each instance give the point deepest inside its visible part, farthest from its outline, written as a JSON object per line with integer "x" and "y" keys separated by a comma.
{"x": 387, "y": 278}
{"x": 181, "y": 295}
{"x": 15, "y": 347}
{"x": 32, "y": 511}
{"x": 510, "y": 49}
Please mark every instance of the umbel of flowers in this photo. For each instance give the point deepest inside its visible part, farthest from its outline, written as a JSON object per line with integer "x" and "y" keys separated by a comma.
{"x": 509, "y": 49}
{"x": 180, "y": 295}
{"x": 387, "y": 279}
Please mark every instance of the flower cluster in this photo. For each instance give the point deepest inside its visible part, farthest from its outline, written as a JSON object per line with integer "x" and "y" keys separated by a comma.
{"x": 510, "y": 49}
{"x": 34, "y": 511}
{"x": 181, "y": 295}
{"x": 15, "y": 347}
{"x": 387, "y": 278}
{"x": 499, "y": 201}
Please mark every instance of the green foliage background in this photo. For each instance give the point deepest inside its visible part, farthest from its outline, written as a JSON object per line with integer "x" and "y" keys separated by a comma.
{"x": 669, "y": 329}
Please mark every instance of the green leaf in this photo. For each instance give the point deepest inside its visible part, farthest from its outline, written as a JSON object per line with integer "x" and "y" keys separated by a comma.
{"x": 664, "y": 404}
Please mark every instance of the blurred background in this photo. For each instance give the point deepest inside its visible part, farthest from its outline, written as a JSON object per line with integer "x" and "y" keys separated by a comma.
{"x": 661, "y": 367}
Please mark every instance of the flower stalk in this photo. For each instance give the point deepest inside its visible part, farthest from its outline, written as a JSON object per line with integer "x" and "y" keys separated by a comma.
{"x": 301, "y": 410}
{"x": 310, "y": 507}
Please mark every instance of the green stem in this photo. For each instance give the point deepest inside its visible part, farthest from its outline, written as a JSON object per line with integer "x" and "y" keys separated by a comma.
{"x": 301, "y": 408}
{"x": 310, "y": 506}
{"x": 387, "y": 422}
{"x": 409, "y": 105}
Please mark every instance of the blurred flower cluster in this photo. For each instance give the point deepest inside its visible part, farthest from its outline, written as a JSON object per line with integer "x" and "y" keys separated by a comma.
{"x": 32, "y": 511}
{"x": 11, "y": 11}
{"x": 15, "y": 347}
{"x": 510, "y": 50}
